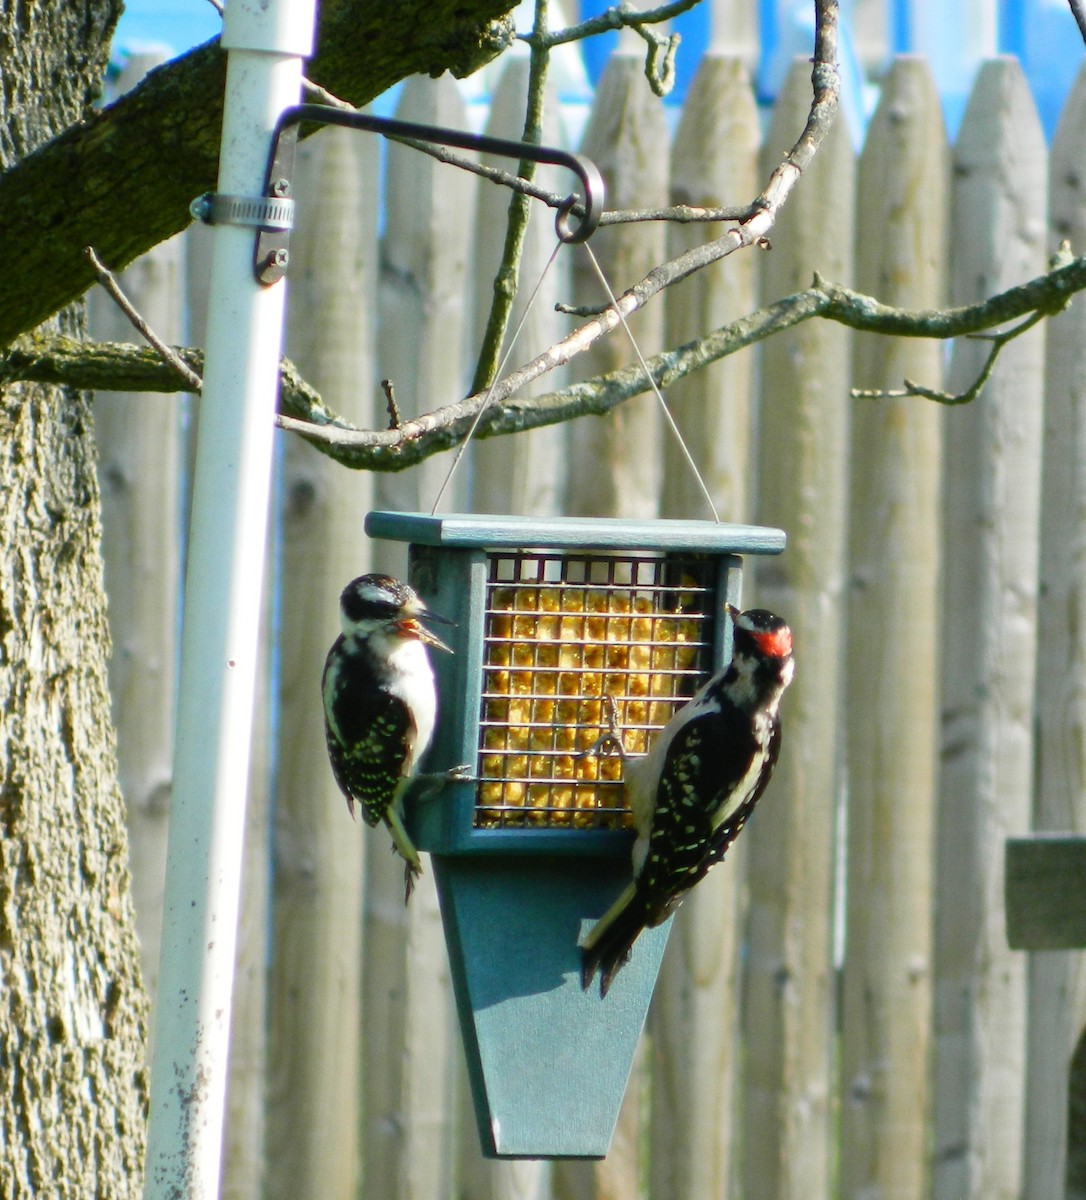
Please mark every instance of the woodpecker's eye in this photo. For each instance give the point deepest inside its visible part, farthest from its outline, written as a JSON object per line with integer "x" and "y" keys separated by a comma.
{"x": 374, "y": 598}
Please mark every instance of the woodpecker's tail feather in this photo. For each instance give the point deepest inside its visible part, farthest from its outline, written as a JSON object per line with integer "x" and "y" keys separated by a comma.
{"x": 607, "y": 947}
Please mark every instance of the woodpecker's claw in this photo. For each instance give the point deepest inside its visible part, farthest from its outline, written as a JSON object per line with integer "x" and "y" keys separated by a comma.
{"x": 411, "y": 872}
{"x": 609, "y": 742}
{"x": 429, "y": 784}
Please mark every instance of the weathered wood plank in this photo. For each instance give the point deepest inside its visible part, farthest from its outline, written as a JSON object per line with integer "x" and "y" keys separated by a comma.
{"x": 713, "y": 161}
{"x": 314, "y": 1090}
{"x": 988, "y": 642}
{"x": 789, "y": 982}
{"x": 410, "y": 1045}
{"x": 892, "y": 655}
{"x": 526, "y": 475}
{"x": 615, "y": 460}
{"x": 424, "y": 297}
{"x": 139, "y": 472}
{"x": 1057, "y": 982}
{"x": 694, "y": 1021}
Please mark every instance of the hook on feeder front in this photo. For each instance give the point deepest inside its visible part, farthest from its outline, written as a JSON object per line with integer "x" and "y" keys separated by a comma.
{"x": 272, "y": 213}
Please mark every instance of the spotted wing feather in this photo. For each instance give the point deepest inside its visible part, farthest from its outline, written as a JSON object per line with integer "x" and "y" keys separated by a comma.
{"x": 370, "y": 737}
{"x": 691, "y": 831}
{"x": 692, "y": 827}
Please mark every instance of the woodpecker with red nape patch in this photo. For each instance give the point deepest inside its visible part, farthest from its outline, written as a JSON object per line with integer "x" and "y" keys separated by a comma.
{"x": 694, "y": 790}
{"x": 380, "y": 702}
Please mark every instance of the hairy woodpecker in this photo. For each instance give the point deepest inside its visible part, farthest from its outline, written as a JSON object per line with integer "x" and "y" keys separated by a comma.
{"x": 380, "y": 702}
{"x": 694, "y": 790}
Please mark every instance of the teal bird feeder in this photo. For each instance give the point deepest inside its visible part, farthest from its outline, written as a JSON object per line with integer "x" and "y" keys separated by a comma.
{"x": 560, "y": 624}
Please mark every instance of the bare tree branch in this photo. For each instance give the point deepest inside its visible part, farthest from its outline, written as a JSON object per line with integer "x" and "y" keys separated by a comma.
{"x": 911, "y": 388}
{"x": 162, "y": 140}
{"x": 418, "y": 438}
{"x": 504, "y": 288}
{"x": 408, "y": 442}
{"x": 109, "y": 281}
{"x": 619, "y": 16}
{"x": 111, "y": 366}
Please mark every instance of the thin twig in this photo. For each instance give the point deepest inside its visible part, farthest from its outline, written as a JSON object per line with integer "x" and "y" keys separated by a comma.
{"x": 321, "y": 95}
{"x": 109, "y": 281}
{"x": 619, "y": 16}
{"x": 660, "y": 60}
{"x": 394, "y": 421}
{"x": 911, "y": 388}
{"x": 516, "y": 222}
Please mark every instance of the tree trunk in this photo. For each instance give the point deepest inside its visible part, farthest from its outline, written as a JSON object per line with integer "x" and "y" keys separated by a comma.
{"x": 72, "y": 1024}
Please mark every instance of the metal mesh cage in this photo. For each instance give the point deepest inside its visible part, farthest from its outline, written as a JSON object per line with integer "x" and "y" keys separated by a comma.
{"x": 565, "y": 635}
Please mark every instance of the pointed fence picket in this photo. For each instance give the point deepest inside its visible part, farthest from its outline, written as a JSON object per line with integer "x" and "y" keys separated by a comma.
{"x": 139, "y": 466}
{"x": 525, "y": 474}
{"x": 410, "y": 1049}
{"x": 991, "y": 521}
{"x": 816, "y": 1033}
{"x": 891, "y": 657}
{"x": 615, "y": 463}
{"x": 695, "y": 1010}
{"x": 789, "y": 986}
{"x": 1057, "y": 984}
{"x": 315, "y": 967}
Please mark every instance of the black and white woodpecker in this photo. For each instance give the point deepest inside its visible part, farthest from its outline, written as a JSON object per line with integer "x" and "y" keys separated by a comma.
{"x": 380, "y": 702}
{"x": 694, "y": 790}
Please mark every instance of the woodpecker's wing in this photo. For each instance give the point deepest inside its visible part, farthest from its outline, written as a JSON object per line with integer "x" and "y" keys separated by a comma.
{"x": 714, "y": 773}
{"x": 730, "y": 830}
{"x": 370, "y": 735}
{"x": 715, "y": 770}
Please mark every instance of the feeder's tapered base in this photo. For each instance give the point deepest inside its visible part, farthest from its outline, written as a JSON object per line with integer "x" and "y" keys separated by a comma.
{"x": 548, "y": 1060}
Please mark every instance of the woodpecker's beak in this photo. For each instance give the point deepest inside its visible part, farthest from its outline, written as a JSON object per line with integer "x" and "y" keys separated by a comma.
{"x": 412, "y": 628}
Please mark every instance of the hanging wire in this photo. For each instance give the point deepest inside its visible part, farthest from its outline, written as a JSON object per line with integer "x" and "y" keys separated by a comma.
{"x": 640, "y": 358}
{"x": 497, "y": 375}
{"x": 648, "y": 375}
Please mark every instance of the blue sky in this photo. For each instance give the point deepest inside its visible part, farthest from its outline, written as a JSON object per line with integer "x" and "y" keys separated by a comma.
{"x": 1041, "y": 32}
{"x": 174, "y": 25}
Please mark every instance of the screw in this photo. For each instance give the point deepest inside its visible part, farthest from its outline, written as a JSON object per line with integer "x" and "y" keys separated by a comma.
{"x": 274, "y": 265}
{"x": 200, "y": 208}
{"x": 280, "y": 187}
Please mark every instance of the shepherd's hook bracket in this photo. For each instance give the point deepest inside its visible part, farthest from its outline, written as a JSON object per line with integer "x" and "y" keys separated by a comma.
{"x": 272, "y": 213}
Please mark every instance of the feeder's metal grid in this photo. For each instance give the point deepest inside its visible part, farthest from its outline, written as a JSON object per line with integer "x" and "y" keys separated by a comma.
{"x": 565, "y": 634}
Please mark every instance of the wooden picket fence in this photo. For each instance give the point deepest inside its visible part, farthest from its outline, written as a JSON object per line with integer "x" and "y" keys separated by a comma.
{"x": 839, "y": 1013}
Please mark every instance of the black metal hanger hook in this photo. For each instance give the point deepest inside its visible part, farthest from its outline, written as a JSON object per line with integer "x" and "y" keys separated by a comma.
{"x": 577, "y": 218}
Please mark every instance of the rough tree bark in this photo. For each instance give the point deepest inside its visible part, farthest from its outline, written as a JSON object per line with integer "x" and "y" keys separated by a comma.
{"x": 72, "y": 1021}
{"x": 121, "y": 179}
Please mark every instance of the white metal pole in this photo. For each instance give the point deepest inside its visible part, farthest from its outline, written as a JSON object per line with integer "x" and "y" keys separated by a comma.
{"x": 266, "y": 41}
